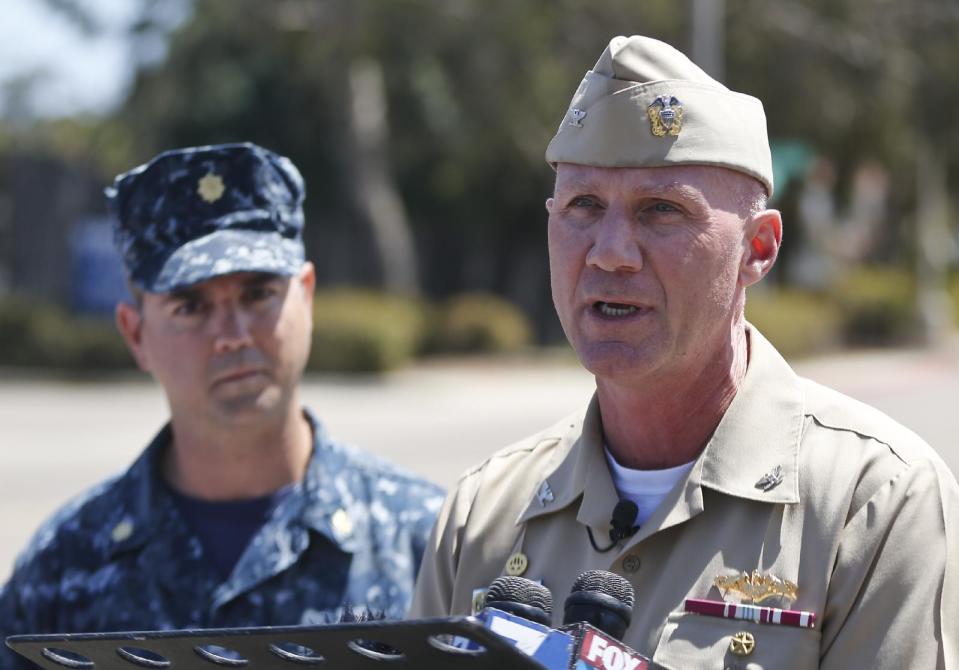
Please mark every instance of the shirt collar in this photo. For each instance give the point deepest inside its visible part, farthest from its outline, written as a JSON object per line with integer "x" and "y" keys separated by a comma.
{"x": 758, "y": 437}
{"x": 328, "y": 505}
{"x": 143, "y": 497}
{"x": 320, "y": 502}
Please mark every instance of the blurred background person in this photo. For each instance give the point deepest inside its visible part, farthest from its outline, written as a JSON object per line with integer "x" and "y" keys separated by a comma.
{"x": 242, "y": 511}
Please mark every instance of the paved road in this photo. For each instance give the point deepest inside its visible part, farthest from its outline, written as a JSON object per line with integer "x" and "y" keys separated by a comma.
{"x": 57, "y": 438}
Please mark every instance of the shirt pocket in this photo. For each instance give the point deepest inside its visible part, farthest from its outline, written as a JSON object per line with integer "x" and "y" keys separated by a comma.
{"x": 697, "y": 642}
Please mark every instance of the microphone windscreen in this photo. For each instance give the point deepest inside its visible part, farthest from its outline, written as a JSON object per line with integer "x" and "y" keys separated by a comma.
{"x": 522, "y": 597}
{"x": 606, "y": 583}
{"x": 520, "y": 590}
{"x": 602, "y": 599}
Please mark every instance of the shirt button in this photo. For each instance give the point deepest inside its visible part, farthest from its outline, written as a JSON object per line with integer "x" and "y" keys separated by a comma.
{"x": 631, "y": 563}
{"x": 742, "y": 643}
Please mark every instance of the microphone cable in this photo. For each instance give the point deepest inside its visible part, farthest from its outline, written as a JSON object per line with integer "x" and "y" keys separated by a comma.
{"x": 621, "y": 525}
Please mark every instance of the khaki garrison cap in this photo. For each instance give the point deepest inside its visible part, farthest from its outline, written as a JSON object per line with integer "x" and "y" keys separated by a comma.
{"x": 645, "y": 104}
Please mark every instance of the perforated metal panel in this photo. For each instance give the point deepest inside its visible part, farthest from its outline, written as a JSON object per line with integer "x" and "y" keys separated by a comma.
{"x": 418, "y": 644}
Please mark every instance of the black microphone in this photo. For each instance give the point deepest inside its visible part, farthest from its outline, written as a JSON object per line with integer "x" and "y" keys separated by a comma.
{"x": 603, "y": 600}
{"x": 621, "y": 525}
{"x": 522, "y": 597}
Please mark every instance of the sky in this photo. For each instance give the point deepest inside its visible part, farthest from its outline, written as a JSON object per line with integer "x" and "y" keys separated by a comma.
{"x": 79, "y": 73}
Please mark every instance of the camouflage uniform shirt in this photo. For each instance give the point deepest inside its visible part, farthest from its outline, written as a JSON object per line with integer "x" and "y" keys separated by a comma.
{"x": 120, "y": 557}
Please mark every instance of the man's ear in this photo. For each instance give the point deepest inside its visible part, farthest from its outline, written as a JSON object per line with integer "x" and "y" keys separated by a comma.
{"x": 307, "y": 279}
{"x": 549, "y": 205}
{"x": 129, "y": 320}
{"x": 764, "y": 235}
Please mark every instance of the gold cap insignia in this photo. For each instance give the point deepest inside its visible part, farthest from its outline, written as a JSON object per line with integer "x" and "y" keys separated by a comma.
{"x": 757, "y": 587}
{"x": 210, "y": 187}
{"x": 665, "y": 116}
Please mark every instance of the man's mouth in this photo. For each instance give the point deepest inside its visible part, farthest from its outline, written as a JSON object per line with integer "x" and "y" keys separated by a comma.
{"x": 236, "y": 376}
{"x": 614, "y": 309}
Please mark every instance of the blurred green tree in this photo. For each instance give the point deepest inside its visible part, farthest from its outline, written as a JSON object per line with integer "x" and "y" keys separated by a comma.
{"x": 441, "y": 187}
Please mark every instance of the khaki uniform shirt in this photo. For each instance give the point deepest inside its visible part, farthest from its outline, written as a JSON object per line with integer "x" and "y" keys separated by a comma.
{"x": 865, "y": 521}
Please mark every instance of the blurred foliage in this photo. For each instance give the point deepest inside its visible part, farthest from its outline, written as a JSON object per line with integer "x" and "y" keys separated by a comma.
{"x": 45, "y": 336}
{"x": 877, "y": 306}
{"x": 953, "y": 289}
{"x": 797, "y": 323}
{"x": 354, "y": 331}
{"x": 474, "y": 92}
{"x": 363, "y": 331}
{"x": 367, "y": 331}
{"x": 480, "y": 323}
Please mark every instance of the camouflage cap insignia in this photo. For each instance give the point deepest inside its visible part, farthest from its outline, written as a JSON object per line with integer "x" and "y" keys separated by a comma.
{"x": 210, "y": 187}
{"x": 576, "y": 117}
{"x": 665, "y": 116}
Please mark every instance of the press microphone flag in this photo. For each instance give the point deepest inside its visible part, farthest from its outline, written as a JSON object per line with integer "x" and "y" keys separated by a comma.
{"x": 578, "y": 646}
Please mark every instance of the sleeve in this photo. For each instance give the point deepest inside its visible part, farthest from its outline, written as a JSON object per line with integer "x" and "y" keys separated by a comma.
{"x": 433, "y": 595}
{"x": 15, "y": 619}
{"x": 431, "y": 502}
{"x": 894, "y": 593}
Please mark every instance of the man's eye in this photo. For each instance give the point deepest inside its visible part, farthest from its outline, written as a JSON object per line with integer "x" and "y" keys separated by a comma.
{"x": 664, "y": 208}
{"x": 257, "y": 293}
{"x": 187, "y": 308}
{"x": 582, "y": 201}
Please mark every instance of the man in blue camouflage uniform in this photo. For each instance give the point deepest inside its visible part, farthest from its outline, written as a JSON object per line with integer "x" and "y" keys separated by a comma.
{"x": 242, "y": 511}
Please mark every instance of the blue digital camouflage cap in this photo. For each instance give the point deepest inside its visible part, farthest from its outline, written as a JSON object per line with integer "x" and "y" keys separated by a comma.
{"x": 192, "y": 214}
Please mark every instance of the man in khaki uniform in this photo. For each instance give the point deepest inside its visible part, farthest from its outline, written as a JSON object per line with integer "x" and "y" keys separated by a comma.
{"x": 754, "y": 486}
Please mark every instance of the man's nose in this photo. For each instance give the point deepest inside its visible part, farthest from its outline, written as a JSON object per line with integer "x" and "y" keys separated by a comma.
{"x": 616, "y": 246}
{"x": 233, "y": 329}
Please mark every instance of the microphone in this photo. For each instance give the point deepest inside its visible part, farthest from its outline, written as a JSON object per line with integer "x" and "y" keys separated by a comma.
{"x": 522, "y": 597}
{"x": 602, "y": 599}
{"x": 621, "y": 525}
{"x": 519, "y": 610}
{"x": 596, "y": 616}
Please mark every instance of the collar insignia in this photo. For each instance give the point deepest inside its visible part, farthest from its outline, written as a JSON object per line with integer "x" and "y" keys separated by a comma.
{"x": 756, "y": 587}
{"x": 210, "y": 187}
{"x": 545, "y": 494}
{"x": 771, "y": 479}
{"x": 342, "y": 524}
{"x": 665, "y": 116}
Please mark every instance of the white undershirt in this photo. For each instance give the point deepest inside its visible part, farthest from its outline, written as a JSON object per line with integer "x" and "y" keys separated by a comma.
{"x": 646, "y": 488}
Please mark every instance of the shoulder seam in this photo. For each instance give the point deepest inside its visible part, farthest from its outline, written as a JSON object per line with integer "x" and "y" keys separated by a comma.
{"x": 508, "y": 452}
{"x": 866, "y": 436}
